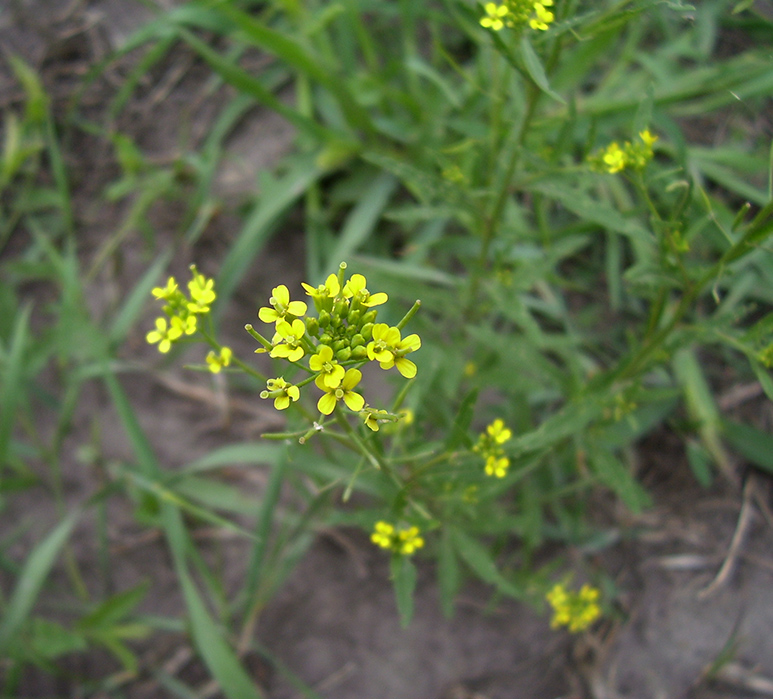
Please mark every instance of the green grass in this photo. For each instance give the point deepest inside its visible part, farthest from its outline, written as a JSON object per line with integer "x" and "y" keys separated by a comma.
{"x": 585, "y": 309}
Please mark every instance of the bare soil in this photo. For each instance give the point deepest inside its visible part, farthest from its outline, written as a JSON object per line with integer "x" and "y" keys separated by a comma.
{"x": 694, "y": 574}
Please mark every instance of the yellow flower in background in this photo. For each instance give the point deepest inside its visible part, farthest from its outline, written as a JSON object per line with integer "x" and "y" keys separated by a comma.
{"x": 216, "y": 361}
{"x": 409, "y": 540}
{"x": 489, "y": 446}
{"x": 403, "y": 541}
{"x": 166, "y": 292}
{"x": 164, "y": 335}
{"x": 495, "y": 15}
{"x": 202, "y": 291}
{"x": 498, "y": 432}
{"x": 497, "y": 466}
{"x": 542, "y": 17}
{"x": 575, "y": 610}
{"x": 614, "y": 158}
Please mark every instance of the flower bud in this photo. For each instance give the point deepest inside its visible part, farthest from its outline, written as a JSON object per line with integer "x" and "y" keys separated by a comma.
{"x": 343, "y": 354}
{"x": 312, "y": 326}
{"x": 370, "y": 316}
{"x": 324, "y": 319}
{"x": 359, "y": 353}
{"x": 339, "y": 345}
{"x": 325, "y": 339}
{"x": 341, "y": 309}
{"x": 367, "y": 331}
{"x": 354, "y": 316}
{"x": 357, "y": 340}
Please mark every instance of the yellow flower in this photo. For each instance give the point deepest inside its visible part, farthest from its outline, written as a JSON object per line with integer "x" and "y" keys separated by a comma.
{"x": 542, "y": 17}
{"x": 498, "y": 432}
{"x": 409, "y": 540}
{"x": 647, "y": 137}
{"x": 217, "y": 361}
{"x": 355, "y": 287}
{"x": 382, "y": 535}
{"x": 495, "y": 14}
{"x": 575, "y": 610}
{"x": 281, "y": 306}
{"x": 163, "y": 334}
{"x": 614, "y": 158}
{"x": 166, "y": 292}
{"x": 404, "y": 541}
{"x": 202, "y": 292}
{"x": 287, "y": 340}
{"x": 187, "y": 325}
{"x": 354, "y": 401}
{"x": 330, "y": 370}
{"x": 281, "y": 391}
{"x": 497, "y": 465}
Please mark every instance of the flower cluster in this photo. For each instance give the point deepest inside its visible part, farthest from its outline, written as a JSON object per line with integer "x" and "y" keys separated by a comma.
{"x": 182, "y": 314}
{"x": 403, "y": 541}
{"x": 633, "y": 156}
{"x": 575, "y": 610}
{"x": 343, "y": 336}
{"x": 489, "y": 446}
{"x": 517, "y": 13}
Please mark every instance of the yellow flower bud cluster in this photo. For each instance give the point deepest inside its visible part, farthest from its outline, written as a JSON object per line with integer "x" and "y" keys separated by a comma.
{"x": 575, "y": 610}
{"x": 404, "y": 541}
{"x": 182, "y": 314}
{"x": 632, "y": 156}
{"x": 343, "y": 336}
{"x": 489, "y": 446}
{"x": 516, "y": 14}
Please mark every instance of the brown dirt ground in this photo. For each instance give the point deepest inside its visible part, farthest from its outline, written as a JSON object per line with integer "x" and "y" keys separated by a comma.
{"x": 694, "y": 574}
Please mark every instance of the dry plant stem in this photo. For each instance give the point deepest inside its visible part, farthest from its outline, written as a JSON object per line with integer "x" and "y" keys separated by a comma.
{"x": 744, "y": 520}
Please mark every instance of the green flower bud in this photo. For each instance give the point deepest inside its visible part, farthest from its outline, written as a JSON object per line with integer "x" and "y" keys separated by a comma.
{"x": 370, "y": 316}
{"x": 359, "y": 353}
{"x": 340, "y": 310}
{"x": 312, "y": 326}
{"x": 339, "y": 345}
{"x": 324, "y": 319}
{"x": 367, "y": 331}
{"x": 354, "y": 316}
{"x": 343, "y": 354}
{"x": 326, "y": 339}
{"x": 357, "y": 340}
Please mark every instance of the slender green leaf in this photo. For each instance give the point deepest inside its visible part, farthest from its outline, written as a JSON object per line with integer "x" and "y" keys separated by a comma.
{"x": 404, "y": 578}
{"x": 750, "y": 442}
{"x": 33, "y": 574}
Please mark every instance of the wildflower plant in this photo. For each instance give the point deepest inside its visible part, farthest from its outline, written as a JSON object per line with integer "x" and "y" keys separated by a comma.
{"x": 574, "y": 269}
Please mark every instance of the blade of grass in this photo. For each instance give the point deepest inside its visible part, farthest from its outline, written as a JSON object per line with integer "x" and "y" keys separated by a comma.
{"x": 33, "y": 574}
{"x": 11, "y": 380}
